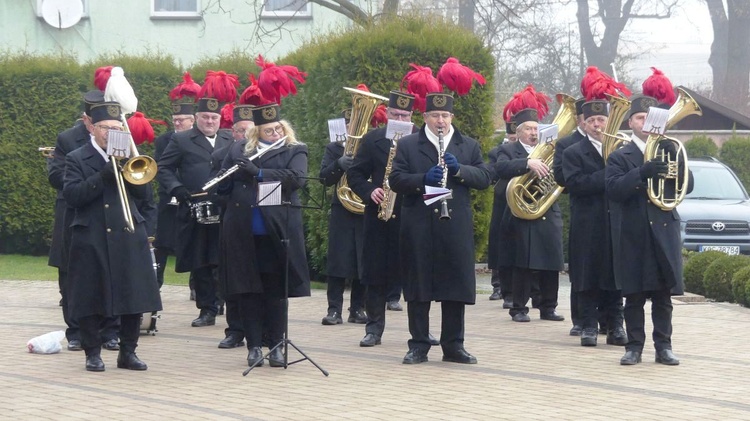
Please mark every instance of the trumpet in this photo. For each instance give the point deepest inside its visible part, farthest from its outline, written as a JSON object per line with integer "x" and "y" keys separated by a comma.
{"x": 231, "y": 170}
{"x": 47, "y": 151}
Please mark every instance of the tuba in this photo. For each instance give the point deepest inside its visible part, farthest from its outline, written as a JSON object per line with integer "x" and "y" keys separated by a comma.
{"x": 612, "y": 139}
{"x": 364, "y": 105}
{"x": 665, "y": 196}
{"x": 529, "y": 197}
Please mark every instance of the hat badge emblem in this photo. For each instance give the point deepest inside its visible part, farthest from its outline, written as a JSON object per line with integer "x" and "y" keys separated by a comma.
{"x": 648, "y": 102}
{"x": 269, "y": 113}
{"x": 597, "y": 107}
{"x": 245, "y": 113}
{"x": 212, "y": 104}
{"x": 176, "y": 108}
{"x": 439, "y": 101}
{"x": 402, "y": 102}
{"x": 113, "y": 110}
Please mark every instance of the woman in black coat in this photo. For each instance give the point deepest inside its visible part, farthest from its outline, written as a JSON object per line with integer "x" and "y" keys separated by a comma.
{"x": 253, "y": 237}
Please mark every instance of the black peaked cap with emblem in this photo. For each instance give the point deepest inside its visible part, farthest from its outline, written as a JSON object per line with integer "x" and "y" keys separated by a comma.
{"x": 90, "y": 98}
{"x": 242, "y": 113}
{"x": 526, "y": 115}
{"x": 510, "y": 127}
{"x": 180, "y": 108}
{"x": 265, "y": 114}
{"x": 438, "y": 101}
{"x": 641, "y": 104}
{"x": 209, "y": 105}
{"x": 579, "y": 105}
{"x": 347, "y": 115}
{"x": 595, "y": 107}
{"x": 105, "y": 111}
{"x": 401, "y": 101}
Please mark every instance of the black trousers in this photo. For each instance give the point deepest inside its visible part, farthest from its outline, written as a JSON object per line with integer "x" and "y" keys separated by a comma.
{"x": 451, "y": 329}
{"x": 335, "y": 292}
{"x": 661, "y": 317}
{"x": 600, "y": 307}
{"x": 394, "y": 292}
{"x": 254, "y": 310}
{"x": 575, "y": 313}
{"x": 524, "y": 278}
{"x": 376, "y": 298}
{"x": 234, "y": 318}
{"x": 92, "y": 337}
{"x": 161, "y": 254}
{"x": 71, "y": 333}
{"x": 205, "y": 289}
{"x": 502, "y": 278}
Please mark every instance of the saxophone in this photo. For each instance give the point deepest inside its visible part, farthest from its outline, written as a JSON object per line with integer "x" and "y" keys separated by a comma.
{"x": 385, "y": 209}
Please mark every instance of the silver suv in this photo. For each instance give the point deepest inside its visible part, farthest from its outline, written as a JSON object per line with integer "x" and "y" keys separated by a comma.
{"x": 716, "y": 214}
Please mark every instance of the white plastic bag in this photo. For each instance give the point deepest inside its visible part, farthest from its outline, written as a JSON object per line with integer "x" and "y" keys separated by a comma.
{"x": 49, "y": 343}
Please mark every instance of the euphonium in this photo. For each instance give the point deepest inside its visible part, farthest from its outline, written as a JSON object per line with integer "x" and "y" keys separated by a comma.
{"x": 529, "y": 197}
{"x": 385, "y": 209}
{"x": 612, "y": 139}
{"x": 663, "y": 195}
{"x": 363, "y": 107}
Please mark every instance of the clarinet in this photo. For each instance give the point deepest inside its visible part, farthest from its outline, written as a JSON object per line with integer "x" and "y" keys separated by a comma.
{"x": 444, "y": 214}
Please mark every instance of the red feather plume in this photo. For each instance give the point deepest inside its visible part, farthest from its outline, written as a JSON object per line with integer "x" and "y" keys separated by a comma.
{"x": 141, "y": 128}
{"x": 220, "y": 85}
{"x": 276, "y": 82}
{"x": 420, "y": 82}
{"x": 380, "y": 117}
{"x": 101, "y": 77}
{"x": 186, "y": 88}
{"x": 597, "y": 85}
{"x": 227, "y": 116}
{"x": 659, "y": 86}
{"x": 363, "y": 87}
{"x": 528, "y": 97}
{"x": 457, "y": 77}
{"x": 252, "y": 95}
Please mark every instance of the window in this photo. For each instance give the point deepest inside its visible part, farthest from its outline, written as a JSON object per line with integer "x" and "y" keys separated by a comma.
{"x": 175, "y": 8}
{"x": 286, "y": 8}
{"x": 85, "y": 8}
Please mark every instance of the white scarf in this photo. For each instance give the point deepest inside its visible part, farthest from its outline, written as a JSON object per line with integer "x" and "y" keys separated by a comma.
{"x": 638, "y": 142}
{"x": 101, "y": 151}
{"x": 433, "y": 138}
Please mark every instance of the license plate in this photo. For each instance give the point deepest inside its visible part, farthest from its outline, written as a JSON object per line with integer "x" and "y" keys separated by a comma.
{"x": 730, "y": 250}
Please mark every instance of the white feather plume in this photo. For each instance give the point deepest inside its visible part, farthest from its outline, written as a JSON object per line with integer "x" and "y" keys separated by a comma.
{"x": 119, "y": 90}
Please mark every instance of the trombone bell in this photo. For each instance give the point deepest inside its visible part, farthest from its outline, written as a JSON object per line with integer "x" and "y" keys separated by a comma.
{"x": 139, "y": 170}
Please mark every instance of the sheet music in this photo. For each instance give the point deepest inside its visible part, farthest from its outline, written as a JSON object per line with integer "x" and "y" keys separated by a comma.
{"x": 656, "y": 121}
{"x": 269, "y": 193}
{"x": 396, "y": 127}
{"x": 433, "y": 194}
{"x": 548, "y": 133}
{"x": 337, "y": 129}
{"x": 118, "y": 144}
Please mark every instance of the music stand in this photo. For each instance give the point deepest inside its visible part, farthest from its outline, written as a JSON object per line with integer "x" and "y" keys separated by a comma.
{"x": 307, "y": 202}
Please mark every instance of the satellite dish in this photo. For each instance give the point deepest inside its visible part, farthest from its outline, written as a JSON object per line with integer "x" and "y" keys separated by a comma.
{"x": 62, "y": 14}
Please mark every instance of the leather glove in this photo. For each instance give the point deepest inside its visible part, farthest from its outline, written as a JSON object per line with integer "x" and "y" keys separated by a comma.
{"x": 434, "y": 176}
{"x": 451, "y": 163}
{"x": 108, "y": 172}
{"x": 247, "y": 166}
{"x": 182, "y": 194}
{"x": 345, "y": 162}
{"x": 653, "y": 168}
{"x": 669, "y": 148}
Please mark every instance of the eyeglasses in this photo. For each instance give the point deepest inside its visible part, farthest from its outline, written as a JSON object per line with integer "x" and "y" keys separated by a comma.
{"x": 238, "y": 131}
{"x": 180, "y": 120}
{"x": 270, "y": 131}
{"x": 438, "y": 116}
{"x": 399, "y": 116}
{"x": 106, "y": 128}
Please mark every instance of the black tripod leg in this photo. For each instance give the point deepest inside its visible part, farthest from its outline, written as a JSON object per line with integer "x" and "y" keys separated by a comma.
{"x": 322, "y": 370}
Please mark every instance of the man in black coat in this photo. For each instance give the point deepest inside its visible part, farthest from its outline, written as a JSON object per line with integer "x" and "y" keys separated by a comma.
{"x": 110, "y": 269}
{"x": 345, "y": 241}
{"x": 646, "y": 242}
{"x": 68, "y": 141}
{"x": 590, "y": 247}
{"x": 184, "y": 168}
{"x": 437, "y": 255}
{"x": 537, "y": 243}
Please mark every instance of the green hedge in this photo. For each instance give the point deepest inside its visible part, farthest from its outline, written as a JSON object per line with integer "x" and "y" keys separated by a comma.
{"x": 695, "y": 268}
{"x": 735, "y": 152}
{"x": 717, "y": 280}
{"x": 701, "y": 146}
{"x": 741, "y": 286}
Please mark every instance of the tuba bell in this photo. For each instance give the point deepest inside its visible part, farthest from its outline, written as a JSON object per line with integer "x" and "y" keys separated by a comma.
{"x": 364, "y": 105}
{"x": 529, "y": 197}
{"x": 668, "y": 191}
{"x": 612, "y": 138}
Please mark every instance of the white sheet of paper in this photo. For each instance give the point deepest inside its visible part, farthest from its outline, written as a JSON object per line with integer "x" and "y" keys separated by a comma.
{"x": 337, "y": 129}
{"x": 656, "y": 121}
{"x": 397, "y": 128}
{"x": 548, "y": 133}
{"x": 436, "y": 193}
{"x": 118, "y": 144}
{"x": 269, "y": 193}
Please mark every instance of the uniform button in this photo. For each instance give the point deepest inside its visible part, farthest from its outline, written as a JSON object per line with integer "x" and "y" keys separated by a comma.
{"x": 462, "y": 180}
{"x": 418, "y": 189}
{"x": 109, "y": 229}
{"x": 665, "y": 224}
{"x": 435, "y": 210}
{"x": 544, "y": 218}
{"x": 106, "y": 206}
{"x": 651, "y": 222}
{"x": 237, "y": 205}
{"x": 244, "y": 186}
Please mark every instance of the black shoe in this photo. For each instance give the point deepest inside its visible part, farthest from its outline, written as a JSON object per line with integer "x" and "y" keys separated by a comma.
{"x": 496, "y": 294}
{"x": 507, "y": 303}
{"x": 130, "y": 361}
{"x": 415, "y": 356}
{"x": 460, "y": 356}
{"x": 576, "y": 330}
{"x": 631, "y": 358}
{"x": 521, "y": 317}
{"x": 357, "y": 316}
{"x": 588, "y": 337}
{"x": 333, "y": 318}
{"x": 370, "y": 340}
{"x": 666, "y": 357}
{"x": 205, "y": 319}
{"x": 617, "y": 336}
{"x": 395, "y": 306}
{"x": 231, "y": 341}
{"x": 75, "y": 345}
{"x": 433, "y": 340}
{"x": 603, "y": 329}
{"x": 111, "y": 345}
{"x": 552, "y": 315}
{"x": 94, "y": 363}
{"x": 221, "y": 310}
{"x": 276, "y": 359}
{"x": 254, "y": 355}
{"x": 192, "y": 295}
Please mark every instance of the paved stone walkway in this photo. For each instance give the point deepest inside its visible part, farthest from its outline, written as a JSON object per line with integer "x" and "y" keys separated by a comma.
{"x": 525, "y": 371}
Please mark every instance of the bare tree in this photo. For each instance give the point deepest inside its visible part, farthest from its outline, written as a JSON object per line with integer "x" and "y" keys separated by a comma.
{"x": 730, "y": 58}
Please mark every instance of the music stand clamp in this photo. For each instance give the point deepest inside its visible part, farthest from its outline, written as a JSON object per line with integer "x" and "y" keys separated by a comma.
{"x": 308, "y": 202}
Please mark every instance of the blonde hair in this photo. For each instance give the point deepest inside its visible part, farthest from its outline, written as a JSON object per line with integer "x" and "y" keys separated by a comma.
{"x": 253, "y": 136}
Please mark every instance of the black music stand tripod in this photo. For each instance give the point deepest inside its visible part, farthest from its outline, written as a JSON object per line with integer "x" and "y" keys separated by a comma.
{"x": 311, "y": 203}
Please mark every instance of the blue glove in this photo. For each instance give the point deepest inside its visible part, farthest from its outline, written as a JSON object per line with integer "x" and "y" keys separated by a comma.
{"x": 451, "y": 163}
{"x": 434, "y": 176}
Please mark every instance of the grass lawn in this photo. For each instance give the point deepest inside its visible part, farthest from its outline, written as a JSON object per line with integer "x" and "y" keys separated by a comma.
{"x": 34, "y": 268}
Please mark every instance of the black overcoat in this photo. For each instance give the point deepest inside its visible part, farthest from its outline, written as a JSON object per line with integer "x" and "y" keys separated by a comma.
{"x": 239, "y": 269}
{"x": 187, "y": 162}
{"x": 380, "y": 263}
{"x": 110, "y": 270}
{"x": 345, "y": 229}
{"x": 557, "y": 159}
{"x": 67, "y": 141}
{"x": 499, "y": 248}
{"x": 589, "y": 246}
{"x": 646, "y": 242}
{"x": 537, "y": 244}
{"x": 437, "y": 256}
{"x": 166, "y": 228}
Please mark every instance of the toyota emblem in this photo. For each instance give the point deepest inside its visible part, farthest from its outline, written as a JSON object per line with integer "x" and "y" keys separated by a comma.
{"x": 718, "y": 226}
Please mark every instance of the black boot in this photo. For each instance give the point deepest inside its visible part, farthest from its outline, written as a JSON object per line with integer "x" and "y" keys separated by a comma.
{"x": 130, "y": 361}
